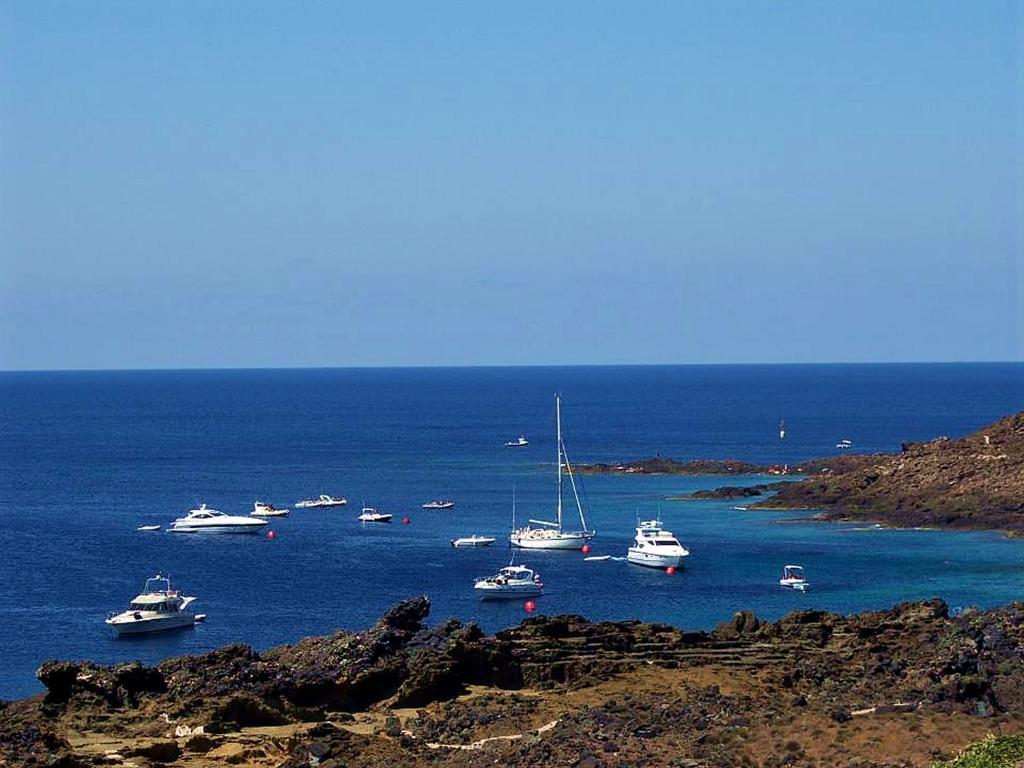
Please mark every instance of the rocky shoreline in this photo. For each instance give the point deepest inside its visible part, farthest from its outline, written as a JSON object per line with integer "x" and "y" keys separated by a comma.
{"x": 905, "y": 686}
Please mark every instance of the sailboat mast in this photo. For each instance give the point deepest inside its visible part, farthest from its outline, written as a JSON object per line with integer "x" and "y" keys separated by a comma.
{"x": 558, "y": 422}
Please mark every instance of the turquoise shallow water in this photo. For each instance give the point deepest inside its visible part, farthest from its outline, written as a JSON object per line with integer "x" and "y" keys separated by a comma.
{"x": 86, "y": 458}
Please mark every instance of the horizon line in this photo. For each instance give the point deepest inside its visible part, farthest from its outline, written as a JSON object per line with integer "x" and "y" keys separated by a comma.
{"x": 464, "y": 366}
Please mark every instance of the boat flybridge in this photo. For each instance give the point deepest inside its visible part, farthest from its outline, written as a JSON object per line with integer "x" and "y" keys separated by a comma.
{"x": 262, "y": 509}
{"x": 206, "y": 520}
{"x": 655, "y": 547}
{"x": 322, "y": 501}
{"x": 519, "y": 442}
{"x": 157, "y": 608}
{"x": 512, "y": 581}
{"x": 545, "y": 534}
{"x": 793, "y": 578}
{"x": 844, "y": 445}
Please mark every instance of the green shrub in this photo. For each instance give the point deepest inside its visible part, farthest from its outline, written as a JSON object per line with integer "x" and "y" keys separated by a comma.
{"x": 993, "y": 752}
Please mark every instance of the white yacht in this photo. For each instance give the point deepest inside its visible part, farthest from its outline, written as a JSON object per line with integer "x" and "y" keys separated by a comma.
{"x": 844, "y": 444}
{"x": 372, "y": 515}
{"x": 512, "y": 581}
{"x": 545, "y": 534}
{"x": 519, "y": 442}
{"x": 262, "y": 509}
{"x": 793, "y": 578}
{"x": 655, "y": 547}
{"x": 473, "y": 541}
{"x": 158, "y": 608}
{"x": 323, "y": 501}
{"x": 439, "y": 504}
{"x": 206, "y": 520}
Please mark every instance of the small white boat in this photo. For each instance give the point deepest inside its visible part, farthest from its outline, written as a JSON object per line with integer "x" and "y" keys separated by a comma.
{"x": 323, "y": 501}
{"x": 206, "y": 520}
{"x": 793, "y": 578}
{"x": 148, "y": 528}
{"x": 439, "y": 504}
{"x": 655, "y": 547}
{"x": 519, "y": 442}
{"x": 371, "y": 515}
{"x": 157, "y": 608}
{"x": 261, "y": 509}
{"x": 512, "y": 581}
{"x": 597, "y": 558}
{"x": 844, "y": 444}
{"x": 549, "y": 534}
{"x": 473, "y": 541}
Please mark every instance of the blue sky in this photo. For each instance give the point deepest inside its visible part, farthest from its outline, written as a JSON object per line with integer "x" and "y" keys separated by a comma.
{"x": 267, "y": 184}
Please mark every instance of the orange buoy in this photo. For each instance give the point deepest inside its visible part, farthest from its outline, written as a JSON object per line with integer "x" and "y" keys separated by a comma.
{"x": 271, "y": 535}
{"x": 406, "y": 520}
{"x": 586, "y": 549}
{"x": 530, "y": 606}
{"x": 671, "y": 570}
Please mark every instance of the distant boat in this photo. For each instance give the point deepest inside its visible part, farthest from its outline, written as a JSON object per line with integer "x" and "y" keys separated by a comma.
{"x": 439, "y": 504}
{"x": 844, "y": 444}
{"x": 261, "y": 509}
{"x": 206, "y": 520}
{"x": 148, "y": 528}
{"x": 323, "y": 501}
{"x": 510, "y": 582}
{"x": 473, "y": 541}
{"x": 157, "y": 608}
{"x": 551, "y": 534}
{"x": 372, "y": 515}
{"x": 655, "y": 547}
{"x": 519, "y": 442}
{"x": 782, "y": 429}
{"x": 793, "y": 578}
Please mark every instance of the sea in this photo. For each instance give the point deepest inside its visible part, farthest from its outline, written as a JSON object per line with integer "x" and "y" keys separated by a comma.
{"x": 88, "y": 457}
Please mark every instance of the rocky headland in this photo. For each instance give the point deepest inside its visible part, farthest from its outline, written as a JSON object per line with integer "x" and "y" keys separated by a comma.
{"x": 901, "y": 687}
{"x": 973, "y": 482}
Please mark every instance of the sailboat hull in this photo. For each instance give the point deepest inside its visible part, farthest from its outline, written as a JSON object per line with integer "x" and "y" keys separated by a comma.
{"x": 550, "y": 539}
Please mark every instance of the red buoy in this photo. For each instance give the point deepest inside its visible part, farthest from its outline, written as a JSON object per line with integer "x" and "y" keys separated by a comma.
{"x": 406, "y": 520}
{"x": 530, "y": 606}
{"x": 671, "y": 570}
{"x": 271, "y": 535}
{"x": 586, "y": 549}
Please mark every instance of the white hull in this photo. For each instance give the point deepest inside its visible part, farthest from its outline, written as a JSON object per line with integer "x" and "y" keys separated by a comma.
{"x": 158, "y": 624}
{"x": 473, "y": 541}
{"x": 799, "y": 585}
{"x": 217, "y": 528}
{"x": 555, "y": 541}
{"x": 652, "y": 559}
{"x": 508, "y": 591}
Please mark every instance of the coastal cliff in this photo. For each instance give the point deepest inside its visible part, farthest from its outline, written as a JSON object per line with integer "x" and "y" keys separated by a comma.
{"x": 906, "y": 686}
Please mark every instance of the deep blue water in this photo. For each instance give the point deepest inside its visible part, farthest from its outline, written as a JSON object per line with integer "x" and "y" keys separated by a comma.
{"x": 85, "y": 458}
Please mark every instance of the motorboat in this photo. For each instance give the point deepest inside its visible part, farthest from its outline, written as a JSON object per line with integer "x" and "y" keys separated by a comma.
{"x": 793, "y": 578}
{"x": 519, "y": 442}
{"x": 157, "y": 608}
{"x": 322, "y": 501}
{"x": 844, "y": 444}
{"x": 262, "y": 509}
{"x": 372, "y": 515}
{"x": 148, "y": 528}
{"x": 206, "y": 520}
{"x": 550, "y": 534}
{"x": 655, "y": 547}
{"x": 512, "y": 581}
{"x": 439, "y": 504}
{"x": 473, "y": 541}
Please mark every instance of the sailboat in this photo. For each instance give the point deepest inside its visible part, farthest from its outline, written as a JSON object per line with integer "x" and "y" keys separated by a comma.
{"x": 545, "y": 534}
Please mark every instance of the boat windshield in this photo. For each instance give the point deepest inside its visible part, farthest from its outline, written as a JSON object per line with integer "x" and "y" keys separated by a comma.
{"x": 157, "y": 584}
{"x": 160, "y": 607}
{"x": 665, "y": 543}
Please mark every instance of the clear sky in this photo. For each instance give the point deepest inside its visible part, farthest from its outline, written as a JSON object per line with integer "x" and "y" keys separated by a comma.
{"x": 275, "y": 184}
